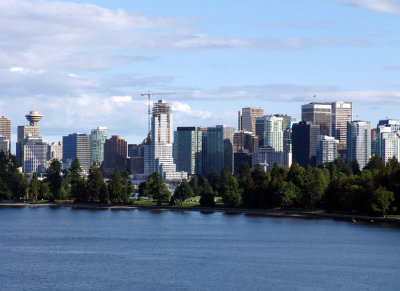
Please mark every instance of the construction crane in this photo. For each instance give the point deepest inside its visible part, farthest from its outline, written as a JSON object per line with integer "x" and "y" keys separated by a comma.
{"x": 149, "y": 94}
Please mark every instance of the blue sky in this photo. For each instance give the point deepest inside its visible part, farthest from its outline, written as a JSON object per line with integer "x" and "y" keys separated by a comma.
{"x": 87, "y": 62}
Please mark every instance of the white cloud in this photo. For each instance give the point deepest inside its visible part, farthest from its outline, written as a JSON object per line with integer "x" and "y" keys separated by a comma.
{"x": 121, "y": 99}
{"x": 382, "y": 6}
{"x": 185, "y": 109}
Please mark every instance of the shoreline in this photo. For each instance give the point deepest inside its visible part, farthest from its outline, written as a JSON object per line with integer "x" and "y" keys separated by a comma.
{"x": 251, "y": 212}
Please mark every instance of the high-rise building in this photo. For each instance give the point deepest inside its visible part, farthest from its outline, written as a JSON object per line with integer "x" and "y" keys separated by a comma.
{"x": 304, "y": 143}
{"x": 245, "y": 142}
{"x": 220, "y": 148}
{"x": 54, "y": 151}
{"x": 98, "y": 138}
{"x": 247, "y": 118}
{"x": 187, "y": 149}
{"x": 135, "y": 150}
{"x": 341, "y": 114}
{"x": 260, "y": 130}
{"x": 319, "y": 114}
{"x": 77, "y": 145}
{"x": 115, "y": 155}
{"x": 266, "y": 157}
{"x": 35, "y": 155}
{"x": 387, "y": 143}
{"x": 4, "y": 144}
{"x": 359, "y": 142}
{"x": 23, "y": 131}
{"x": 273, "y": 133}
{"x": 161, "y": 160}
{"x": 327, "y": 149}
{"x": 5, "y": 128}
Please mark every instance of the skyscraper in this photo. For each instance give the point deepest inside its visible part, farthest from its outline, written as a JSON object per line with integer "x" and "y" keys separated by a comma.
{"x": 115, "y": 155}
{"x": 161, "y": 160}
{"x": 220, "y": 148}
{"x": 319, "y": 114}
{"x": 5, "y": 128}
{"x": 98, "y": 137}
{"x": 327, "y": 149}
{"x": 23, "y": 131}
{"x": 273, "y": 133}
{"x": 359, "y": 142}
{"x": 54, "y": 151}
{"x": 387, "y": 140}
{"x": 35, "y": 155}
{"x": 245, "y": 141}
{"x": 247, "y": 118}
{"x": 341, "y": 114}
{"x": 4, "y": 144}
{"x": 187, "y": 149}
{"x": 77, "y": 145}
{"x": 304, "y": 143}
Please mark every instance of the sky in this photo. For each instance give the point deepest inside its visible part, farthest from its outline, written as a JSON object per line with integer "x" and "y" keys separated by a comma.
{"x": 87, "y": 62}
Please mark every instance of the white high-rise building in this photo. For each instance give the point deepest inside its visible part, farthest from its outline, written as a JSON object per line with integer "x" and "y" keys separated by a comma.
{"x": 273, "y": 133}
{"x": 35, "y": 155}
{"x": 247, "y": 118}
{"x": 98, "y": 138}
{"x": 387, "y": 143}
{"x": 161, "y": 159}
{"x": 4, "y": 144}
{"x": 341, "y": 114}
{"x": 55, "y": 151}
{"x": 327, "y": 147}
{"x": 359, "y": 142}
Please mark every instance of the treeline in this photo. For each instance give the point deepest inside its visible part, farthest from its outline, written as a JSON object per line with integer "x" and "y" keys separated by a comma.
{"x": 69, "y": 184}
{"x": 333, "y": 187}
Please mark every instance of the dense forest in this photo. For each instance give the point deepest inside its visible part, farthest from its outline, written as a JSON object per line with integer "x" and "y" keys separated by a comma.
{"x": 60, "y": 184}
{"x": 332, "y": 187}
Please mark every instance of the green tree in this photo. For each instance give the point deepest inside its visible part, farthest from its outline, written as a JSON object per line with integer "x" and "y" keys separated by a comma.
{"x": 78, "y": 187}
{"x": 116, "y": 188}
{"x": 157, "y": 189}
{"x": 94, "y": 184}
{"x": 54, "y": 178}
{"x": 34, "y": 187}
{"x": 183, "y": 191}
{"x": 288, "y": 194}
{"x": 207, "y": 196}
{"x": 213, "y": 179}
{"x": 127, "y": 188}
{"x": 355, "y": 167}
{"x": 44, "y": 191}
{"x": 381, "y": 200}
{"x": 194, "y": 184}
{"x": 231, "y": 194}
{"x": 104, "y": 196}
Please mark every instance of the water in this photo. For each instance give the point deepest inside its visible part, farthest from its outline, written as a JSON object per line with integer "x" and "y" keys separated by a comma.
{"x": 69, "y": 249}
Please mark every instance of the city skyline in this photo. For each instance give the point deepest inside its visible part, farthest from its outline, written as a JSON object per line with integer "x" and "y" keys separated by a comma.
{"x": 87, "y": 64}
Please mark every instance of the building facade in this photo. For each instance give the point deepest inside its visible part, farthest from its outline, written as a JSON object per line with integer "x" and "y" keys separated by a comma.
{"x": 327, "y": 149}
{"x": 220, "y": 148}
{"x": 273, "y": 133}
{"x": 319, "y": 114}
{"x": 161, "y": 159}
{"x": 5, "y": 128}
{"x": 77, "y": 145}
{"x": 115, "y": 155}
{"x": 245, "y": 142}
{"x": 266, "y": 157}
{"x": 247, "y": 118}
{"x": 359, "y": 142}
{"x": 35, "y": 155}
{"x": 54, "y": 151}
{"x": 304, "y": 143}
{"x": 387, "y": 143}
{"x": 342, "y": 113}
{"x": 4, "y": 144}
{"x": 98, "y": 138}
{"x": 187, "y": 149}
